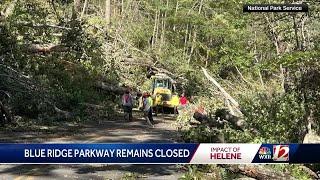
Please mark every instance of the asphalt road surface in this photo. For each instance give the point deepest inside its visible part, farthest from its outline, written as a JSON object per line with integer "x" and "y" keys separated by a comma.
{"x": 103, "y": 131}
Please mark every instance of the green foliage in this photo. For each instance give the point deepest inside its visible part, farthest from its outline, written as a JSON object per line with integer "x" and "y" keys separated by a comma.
{"x": 232, "y": 135}
{"x": 62, "y": 78}
{"x": 196, "y": 172}
{"x": 192, "y": 174}
{"x": 279, "y": 119}
{"x": 295, "y": 170}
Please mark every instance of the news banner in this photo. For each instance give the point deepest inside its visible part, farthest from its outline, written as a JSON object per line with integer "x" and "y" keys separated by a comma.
{"x": 174, "y": 153}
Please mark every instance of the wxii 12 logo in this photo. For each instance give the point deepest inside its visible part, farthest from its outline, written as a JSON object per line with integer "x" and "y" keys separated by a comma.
{"x": 281, "y": 152}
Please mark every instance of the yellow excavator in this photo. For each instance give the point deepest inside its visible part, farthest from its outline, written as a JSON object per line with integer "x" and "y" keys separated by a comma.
{"x": 163, "y": 92}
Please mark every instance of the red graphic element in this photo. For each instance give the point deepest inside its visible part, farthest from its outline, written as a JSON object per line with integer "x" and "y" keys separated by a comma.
{"x": 225, "y": 156}
{"x": 281, "y": 152}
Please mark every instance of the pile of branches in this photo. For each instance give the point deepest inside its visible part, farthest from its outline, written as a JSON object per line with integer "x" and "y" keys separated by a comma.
{"x": 22, "y": 95}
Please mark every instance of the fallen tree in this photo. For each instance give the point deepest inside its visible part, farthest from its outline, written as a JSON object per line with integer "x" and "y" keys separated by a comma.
{"x": 63, "y": 114}
{"x": 148, "y": 64}
{"x": 46, "y": 48}
{"x": 110, "y": 87}
{"x": 232, "y": 104}
{"x": 34, "y": 25}
{"x": 94, "y": 106}
{"x": 257, "y": 171}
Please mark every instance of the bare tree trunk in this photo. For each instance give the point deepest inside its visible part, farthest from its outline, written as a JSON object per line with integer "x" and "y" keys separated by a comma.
{"x": 108, "y": 12}
{"x": 295, "y": 27}
{"x": 175, "y": 14}
{"x": 207, "y": 58}
{"x": 246, "y": 81}
{"x": 304, "y": 41}
{"x": 122, "y": 8}
{"x": 194, "y": 34}
{"x": 77, "y": 5}
{"x": 256, "y": 58}
{"x": 163, "y": 27}
{"x": 85, "y": 5}
{"x": 157, "y": 26}
{"x": 162, "y": 32}
{"x": 154, "y": 35}
{"x": 308, "y": 39}
{"x": 186, "y": 40}
{"x": 100, "y": 8}
{"x": 276, "y": 39}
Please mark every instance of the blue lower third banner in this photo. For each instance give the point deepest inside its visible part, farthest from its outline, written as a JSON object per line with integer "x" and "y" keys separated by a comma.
{"x": 202, "y": 153}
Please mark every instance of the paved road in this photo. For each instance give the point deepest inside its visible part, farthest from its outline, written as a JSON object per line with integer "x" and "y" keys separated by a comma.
{"x": 105, "y": 131}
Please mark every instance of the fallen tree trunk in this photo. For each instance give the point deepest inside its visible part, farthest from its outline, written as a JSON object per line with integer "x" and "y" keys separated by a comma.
{"x": 257, "y": 171}
{"x": 110, "y": 88}
{"x": 46, "y": 48}
{"x": 232, "y": 104}
{"x": 94, "y": 106}
{"x": 160, "y": 70}
{"x": 63, "y": 114}
{"x": 179, "y": 78}
{"x": 309, "y": 172}
{"x": 32, "y": 25}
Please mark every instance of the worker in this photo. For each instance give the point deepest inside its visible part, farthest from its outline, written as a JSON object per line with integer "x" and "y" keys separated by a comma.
{"x": 175, "y": 100}
{"x": 183, "y": 101}
{"x": 147, "y": 108}
{"x": 138, "y": 99}
{"x": 200, "y": 113}
{"x": 127, "y": 104}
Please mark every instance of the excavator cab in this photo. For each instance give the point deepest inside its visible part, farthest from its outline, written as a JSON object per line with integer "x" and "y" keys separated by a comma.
{"x": 163, "y": 92}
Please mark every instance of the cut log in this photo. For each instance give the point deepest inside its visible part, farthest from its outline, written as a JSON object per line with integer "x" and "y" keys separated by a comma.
{"x": 234, "y": 105}
{"x": 257, "y": 171}
{"x": 46, "y": 48}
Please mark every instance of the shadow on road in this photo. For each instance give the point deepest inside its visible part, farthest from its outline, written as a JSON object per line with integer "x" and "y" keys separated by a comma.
{"x": 34, "y": 170}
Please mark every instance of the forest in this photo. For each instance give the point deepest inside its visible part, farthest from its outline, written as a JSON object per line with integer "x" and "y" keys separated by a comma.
{"x": 70, "y": 60}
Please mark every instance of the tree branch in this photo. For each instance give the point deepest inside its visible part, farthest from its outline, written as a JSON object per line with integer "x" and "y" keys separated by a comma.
{"x": 242, "y": 76}
{"x": 258, "y": 172}
{"x": 42, "y": 25}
